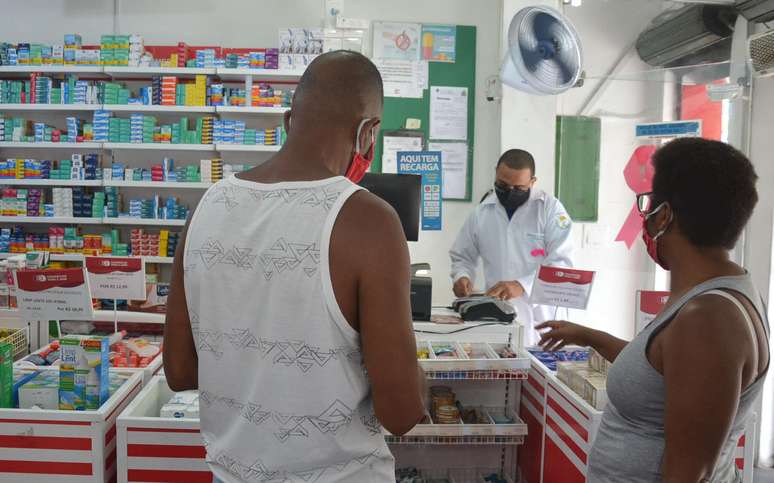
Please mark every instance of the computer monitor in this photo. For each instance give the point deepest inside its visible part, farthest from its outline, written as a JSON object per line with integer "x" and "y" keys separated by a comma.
{"x": 403, "y": 192}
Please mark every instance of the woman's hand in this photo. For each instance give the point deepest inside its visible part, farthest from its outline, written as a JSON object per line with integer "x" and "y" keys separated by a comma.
{"x": 562, "y": 333}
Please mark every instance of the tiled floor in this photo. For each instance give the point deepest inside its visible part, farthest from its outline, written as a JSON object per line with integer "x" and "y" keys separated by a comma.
{"x": 764, "y": 476}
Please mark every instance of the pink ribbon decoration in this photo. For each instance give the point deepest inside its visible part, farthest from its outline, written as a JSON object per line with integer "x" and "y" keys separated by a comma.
{"x": 638, "y": 174}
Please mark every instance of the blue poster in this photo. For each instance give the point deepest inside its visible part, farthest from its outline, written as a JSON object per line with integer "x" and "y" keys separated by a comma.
{"x": 428, "y": 165}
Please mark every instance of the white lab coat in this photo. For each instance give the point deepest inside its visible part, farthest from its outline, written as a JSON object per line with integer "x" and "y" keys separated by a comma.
{"x": 537, "y": 234}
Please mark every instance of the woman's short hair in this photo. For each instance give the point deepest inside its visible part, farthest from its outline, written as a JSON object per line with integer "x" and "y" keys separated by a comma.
{"x": 710, "y": 186}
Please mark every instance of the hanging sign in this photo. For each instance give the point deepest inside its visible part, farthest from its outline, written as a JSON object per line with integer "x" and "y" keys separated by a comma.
{"x": 116, "y": 277}
{"x": 562, "y": 287}
{"x": 54, "y": 294}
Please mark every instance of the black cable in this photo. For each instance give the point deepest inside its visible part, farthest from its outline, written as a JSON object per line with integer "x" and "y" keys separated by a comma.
{"x": 462, "y": 329}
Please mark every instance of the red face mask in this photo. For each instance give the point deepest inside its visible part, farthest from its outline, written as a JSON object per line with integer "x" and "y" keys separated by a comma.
{"x": 651, "y": 242}
{"x": 360, "y": 163}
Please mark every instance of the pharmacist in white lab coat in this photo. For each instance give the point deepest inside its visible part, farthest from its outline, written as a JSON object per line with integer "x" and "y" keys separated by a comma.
{"x": 514, "y": 230}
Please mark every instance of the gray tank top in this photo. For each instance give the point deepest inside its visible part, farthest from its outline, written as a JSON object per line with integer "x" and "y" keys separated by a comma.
{"x": 630, "y": 442}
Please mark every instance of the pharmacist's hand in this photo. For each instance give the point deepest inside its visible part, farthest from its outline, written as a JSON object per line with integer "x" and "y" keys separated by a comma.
{"x": 506, "y": 290}
{"x": 561, "y": 333}
{"x": 463, "y": 287}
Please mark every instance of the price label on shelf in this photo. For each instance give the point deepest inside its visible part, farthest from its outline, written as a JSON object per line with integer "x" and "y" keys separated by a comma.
{"x": 649, "y": 304}
{"x": 54, "y": 294}
{"x": 116, "y": 277}
{"x": 562, "y": 287}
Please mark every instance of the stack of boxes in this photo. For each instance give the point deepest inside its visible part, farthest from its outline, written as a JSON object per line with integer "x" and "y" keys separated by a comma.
{"x": 101, "y": 126}
{"x": 62, "y": 205}
{"x": 168, "y": 90}
{"x": 588, "y": 379}
{"x": 211, "y": 170}
{"x": 205, "y": 59}
{"x": 72, "y": 43}
{"x": 113, "y": 93}
{"x": 13, "y": 202}
{"x": 119, "y": 130}
{"x": 204, "y": 129}
{"x": 112, "y": 202}
{"x": 144, "y": 244}
{"x": 73, "y": 128}
{"x": 136, "y": 50}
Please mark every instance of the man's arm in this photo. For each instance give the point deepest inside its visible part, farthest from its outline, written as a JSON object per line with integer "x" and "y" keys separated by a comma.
{"x": 181, "y": 363}
{"x": 464, "y": 253}
{"x": 369, "y": 240}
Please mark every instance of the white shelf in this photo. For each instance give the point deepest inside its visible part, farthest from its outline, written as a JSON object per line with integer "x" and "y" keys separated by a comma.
{"x": 51, "y": 69}
{"x": 49, "y": 220}
{"x": 251, "y": 110}
{"x": 160, "y": 146}
{"x": 268, "y": 75}
{"x": 247, "y": 148}
{"x": 49, "y": 182}
{"x": 156, "y": 108}
{"x": 140, "y": 72}
{"x": 107, "y": 316}
{"x": 50, "y": 107}
{"x": 141, "y": 221}
{"x": 78, "y": 257}
{"x": 127, "y": 316}
{"x": 51, "y": 145}
{"x": 155, "y": 184}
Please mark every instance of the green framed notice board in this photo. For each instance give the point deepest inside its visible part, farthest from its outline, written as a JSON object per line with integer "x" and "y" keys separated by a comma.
{"x": 578, "y": 141}
{"x": 461, "y": 73}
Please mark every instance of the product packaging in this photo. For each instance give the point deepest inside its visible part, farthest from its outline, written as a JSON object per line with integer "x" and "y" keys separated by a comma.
{"x": 6, "y": 375}
{"x": 84, "y": 377}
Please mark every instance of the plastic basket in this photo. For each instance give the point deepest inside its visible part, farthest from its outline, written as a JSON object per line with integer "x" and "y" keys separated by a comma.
{"x": 17, "y": 337}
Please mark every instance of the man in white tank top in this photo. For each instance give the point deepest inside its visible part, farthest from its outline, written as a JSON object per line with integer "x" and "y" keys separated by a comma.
{"x": 289, "y": 309}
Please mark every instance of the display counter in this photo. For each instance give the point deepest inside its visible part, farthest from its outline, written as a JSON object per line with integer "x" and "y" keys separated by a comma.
{"x": 562, "y": 426}
{"x": 55, "y": 446}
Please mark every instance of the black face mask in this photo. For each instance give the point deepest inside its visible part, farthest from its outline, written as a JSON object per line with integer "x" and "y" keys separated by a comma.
{"x": 511, "y": 199}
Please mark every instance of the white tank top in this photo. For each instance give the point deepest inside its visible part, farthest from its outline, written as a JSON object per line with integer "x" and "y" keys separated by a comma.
{"x": 284, "y": 395}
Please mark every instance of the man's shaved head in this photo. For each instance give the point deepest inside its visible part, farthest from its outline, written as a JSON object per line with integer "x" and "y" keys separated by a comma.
{"x": 338, "y": 87}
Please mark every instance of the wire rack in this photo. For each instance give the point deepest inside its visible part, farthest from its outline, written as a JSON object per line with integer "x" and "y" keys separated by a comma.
{"x": 17, "y": 337}
{"x": 485, "y": 375}
{"x": 463, "y": 475}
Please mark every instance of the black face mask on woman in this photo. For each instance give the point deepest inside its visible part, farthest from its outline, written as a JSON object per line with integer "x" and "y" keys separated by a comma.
{"x": 511, "y": 198}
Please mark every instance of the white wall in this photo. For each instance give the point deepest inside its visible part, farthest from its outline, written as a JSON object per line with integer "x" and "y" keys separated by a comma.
{"x": 244, "y": 23}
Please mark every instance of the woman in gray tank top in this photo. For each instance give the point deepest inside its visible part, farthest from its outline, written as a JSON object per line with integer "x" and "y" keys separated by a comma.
{"x": 681, "y": 393}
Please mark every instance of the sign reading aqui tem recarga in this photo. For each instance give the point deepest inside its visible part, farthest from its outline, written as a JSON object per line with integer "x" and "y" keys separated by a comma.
{"x": 428, "y": 165}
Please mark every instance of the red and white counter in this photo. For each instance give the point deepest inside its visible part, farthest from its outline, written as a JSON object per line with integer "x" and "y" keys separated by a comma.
{"x": 562, "y": 427}
{"x": 43, "y": 446}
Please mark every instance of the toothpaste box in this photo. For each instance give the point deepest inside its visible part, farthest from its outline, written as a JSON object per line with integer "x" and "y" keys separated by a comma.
{"x": 84, "y": 372}
{"x": 41, "y": 392}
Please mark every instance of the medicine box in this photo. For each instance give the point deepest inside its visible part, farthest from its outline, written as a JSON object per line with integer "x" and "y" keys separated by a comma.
{"x": 83, "y": 373}
{"x": 42, "y": 392}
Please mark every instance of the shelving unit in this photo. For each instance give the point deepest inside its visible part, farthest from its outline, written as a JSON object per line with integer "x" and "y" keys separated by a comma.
{"x": 78, "y": 257}
{"x": 268, "y": 75}
{"x": 142, "y": 221}
{"x": 247, "y": 148}
{"x": 50, "y": 220}
{"x": 51, "y": 69}
{"x": 143, "y": 72}
{"x": 50, "y": 182}
{"x": 69, "y": 146}
{"x": 155, "y": 184}
{"x": 50, "y": 107}
{"x": 251, "y": 110}
{"x": 155, "y": 108}
{"x": 159, "y": 146}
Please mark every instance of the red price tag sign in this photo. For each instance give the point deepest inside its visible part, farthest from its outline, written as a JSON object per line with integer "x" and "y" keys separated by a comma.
{"x": 116, "y": 277}
{"x": 562, "y": 287}
{"x": 54, "y": 294}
